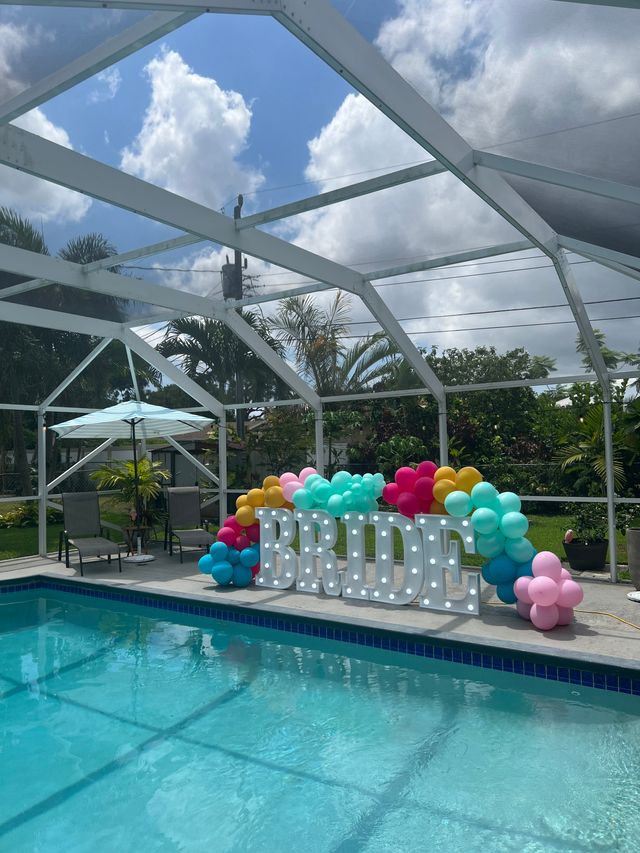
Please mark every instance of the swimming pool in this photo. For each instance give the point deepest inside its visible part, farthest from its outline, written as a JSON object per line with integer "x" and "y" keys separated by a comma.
{"x": 122, "y": 729}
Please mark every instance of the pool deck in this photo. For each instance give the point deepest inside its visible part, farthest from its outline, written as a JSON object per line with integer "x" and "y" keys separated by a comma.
{"x": 595, "y": 637}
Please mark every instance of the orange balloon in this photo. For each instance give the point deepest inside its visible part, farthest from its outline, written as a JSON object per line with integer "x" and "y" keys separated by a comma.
{"x": 467, "y": 478}
{"x": 443, "y": 488}
{"x": 241, "y": 500}
{"x": 287, "y": 505}
{"x": 445, "y": 473}
{"x": 255, "y": 497}
{"x": 274, "y": 497}
{"x": 437, "y": 508}
{"x": 270, "y": 481}
{"x": 245, "y": 516}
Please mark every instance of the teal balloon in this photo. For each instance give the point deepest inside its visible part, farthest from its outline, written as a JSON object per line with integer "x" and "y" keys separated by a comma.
{"x": 233, "y": 556}
{"x": 242, "y": 575}
{"x": 356, "y": 489}
{"x": 458, "y": 504}
{"x": 222, "y": 572}
{"x": 302, "y": 499}
{"x": 348, "y": 500}
{"x": 311, "y": 481}
{"x": 510, "y": 502}
{"x": 378, "y": 478}
{"x": 514, "y": 525}
{"x": 335, "y": 505}
{"x": 368, "y": 487}
{"x": 205, "y": 564}
{"x": 500, "y": 570}
{"x": 483, "y": 494}
{"x": 490, "y": 544}
{"x": 372, "y": 505}
{"x": 520, "y": 550}
{"x": 341, "y": 478}
{"x": 249, "y": 557}
{"x": 322, "y": 492}
{"x": 356, "y": 478}
{"x": 484, "y": 520}
{"x": 219, "y": 551}
{"x": 525, "y": 570}
{"x": 505, "y": 593}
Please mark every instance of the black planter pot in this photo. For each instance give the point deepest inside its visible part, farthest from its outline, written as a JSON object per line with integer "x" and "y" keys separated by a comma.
{"x": 586, "y": 558}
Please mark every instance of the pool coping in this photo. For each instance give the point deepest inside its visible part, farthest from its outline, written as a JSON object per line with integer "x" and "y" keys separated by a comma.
{"x": 588, "y": 670}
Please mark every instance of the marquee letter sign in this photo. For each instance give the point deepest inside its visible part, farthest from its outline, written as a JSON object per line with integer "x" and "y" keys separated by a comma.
{"x": 430, "y": 555}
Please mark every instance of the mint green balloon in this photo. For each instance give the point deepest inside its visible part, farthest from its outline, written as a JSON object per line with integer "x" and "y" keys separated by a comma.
{"x": 520, "y": 550}
{"x": 302, "y": 499}
{"x": 322, "y": 492}
{"x": 514, "y": 525}
{"x": 483, "y": 494}
{"x": 458, "y": 504}
{"x": 510, "y": 502}
{"x": 484, "y": 520}
{"x": 490, "y": 545}
{"x": 335, "y": 505}
{"x": 312, "y": 480}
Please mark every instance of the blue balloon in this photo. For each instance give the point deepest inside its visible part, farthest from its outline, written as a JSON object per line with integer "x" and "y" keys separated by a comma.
{"x": 249, "y": 558}
{"x": 505, "y": 593}
{"x": 242, "y": 575}
{"x": 525, "y": 570}
{"x": 501, "y": 569}
{"x": 233, "y": 556}
{"x": 219, "y": 551}
{"x": 222, "y": 572}
{"x": 520, "y": 550}
{"x": 205, "y": 564}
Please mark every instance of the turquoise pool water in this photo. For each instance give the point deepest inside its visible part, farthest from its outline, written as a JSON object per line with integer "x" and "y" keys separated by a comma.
{"x": 124, "y": 732}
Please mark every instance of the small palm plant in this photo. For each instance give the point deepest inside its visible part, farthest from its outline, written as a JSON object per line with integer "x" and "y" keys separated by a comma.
{"x": 121, "y": 476}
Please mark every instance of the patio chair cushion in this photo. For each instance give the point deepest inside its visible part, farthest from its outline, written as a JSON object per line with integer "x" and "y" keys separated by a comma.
{"x": 94, "y": 546}
{"x": 196, "y": 537}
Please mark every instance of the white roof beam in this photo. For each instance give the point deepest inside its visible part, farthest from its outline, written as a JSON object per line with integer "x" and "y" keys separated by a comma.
{"x": 86, "y": 361}
{"x": 581, "y": 247}
{"x": 23, "y": 287}
{"x": 143, "y": 252}
{"x": 559, "y": 177}
{"x": 43, "y": 318}
{"x": 623, "y": 4}
{"x": 231, "y": 7}
{"x": 113, "y": 50}
{"x": 372, "y": 185}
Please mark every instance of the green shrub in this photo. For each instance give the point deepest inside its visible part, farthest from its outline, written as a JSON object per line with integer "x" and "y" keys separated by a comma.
{"x": 26, "y": 515}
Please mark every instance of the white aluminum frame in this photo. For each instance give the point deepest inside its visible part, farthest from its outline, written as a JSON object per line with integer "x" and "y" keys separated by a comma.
{"x": 319, "y": 26}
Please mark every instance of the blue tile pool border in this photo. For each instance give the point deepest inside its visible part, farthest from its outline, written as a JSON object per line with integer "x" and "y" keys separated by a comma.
{"x": 598, "y": 676}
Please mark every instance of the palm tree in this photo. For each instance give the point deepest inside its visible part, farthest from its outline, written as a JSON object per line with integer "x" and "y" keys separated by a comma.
{"x": 584, "y": 450}
{"x": 611, "y": 357}
{"x": 316, "y": 336}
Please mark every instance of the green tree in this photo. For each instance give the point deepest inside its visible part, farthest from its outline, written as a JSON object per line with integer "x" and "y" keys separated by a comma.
{"x": 611, "y": 357}
{"x": 584, "y": 451}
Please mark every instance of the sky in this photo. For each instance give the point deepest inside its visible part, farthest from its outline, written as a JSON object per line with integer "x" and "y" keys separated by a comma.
{"x": 232, "y": 104}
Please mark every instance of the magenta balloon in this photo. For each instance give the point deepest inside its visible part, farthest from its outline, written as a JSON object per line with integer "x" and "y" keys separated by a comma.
{"x": 521, "y": 589}
{"x": 524, "y": 610}
{"x": 570, "y": 594}
{"x": 287, "y": 477}
{"x": 227, "y": 535}
{"x": 306, "y": 472}
{"x": 391, "y": 493}
{"x": 290, "y": 489}
{"x": 545, "y": 564}
{"x": 242, "y": 542}
{"x": 565, "y": 575}
{"x": 426, "y": 469}
{"x": 232, "y": 522}
{"x": 544, "y": 618}
{"x": 408, "y": 504}
{"x": 253, "y": 532}
{"x": 565, "y": 615}
{"x": 406, "y": 479}
{"x": 423, "y": 488}
{"x": 543, "y": 591}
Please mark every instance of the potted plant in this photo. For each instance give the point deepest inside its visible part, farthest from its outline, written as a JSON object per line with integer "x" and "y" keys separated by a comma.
{"x": 586, "y": 543}
{"x": 121, "y": 476}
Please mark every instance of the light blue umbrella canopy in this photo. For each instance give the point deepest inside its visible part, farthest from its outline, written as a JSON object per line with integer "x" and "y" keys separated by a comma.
{"x": 118, "y": 421}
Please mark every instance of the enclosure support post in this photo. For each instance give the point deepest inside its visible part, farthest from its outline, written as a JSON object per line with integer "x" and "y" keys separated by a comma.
{"x": 136, "y": 391}
{"x": 222, "y": 467}
{"x": 42, "y": 484}
{"x": 442, "y": 432}
{"x": 611, "y": 495}
{"x": 319, "y": 424}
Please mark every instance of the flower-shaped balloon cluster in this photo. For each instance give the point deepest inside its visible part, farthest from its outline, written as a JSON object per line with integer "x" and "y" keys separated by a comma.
{"x": 547, "y": 599}
{"x": 233, "y": 559}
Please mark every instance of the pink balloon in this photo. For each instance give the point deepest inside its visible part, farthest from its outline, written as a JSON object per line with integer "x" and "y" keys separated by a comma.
{"x": 406, "y": 479}
{"x": 232, "y": 522}
{"x": 423, "y": 489}
{"x": 390, "y": 493}
{"x": 545, "y": 564}
{"x": 565, "y": 615}
{"x": 408, "y": 504}
{"x": 426, "y": 469}
{"x": 544, "y": 618}
{"x": 306, "y": 472}
{"x": 287, "y": 477}
{"x": 290, "y": 489}
{"x": 521, "y": 589}
{"x": 565, "y": 575}
{"x": 227, "y": 535}
{"x": 241, "y": 543}
{"x": 570, "y": 594}
{"x": 253, "y": 532}
{"x": 524, "y": 610}
{"x": 543, "y": 591}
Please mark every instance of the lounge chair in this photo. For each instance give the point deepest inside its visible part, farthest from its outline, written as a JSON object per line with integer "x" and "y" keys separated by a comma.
{"x": 83, "y": 529}
{"x": 184, "y": 520}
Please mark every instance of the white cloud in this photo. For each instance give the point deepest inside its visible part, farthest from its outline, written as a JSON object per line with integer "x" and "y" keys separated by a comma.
{"x": 109, "y": 82}
{"x": 13, "y": 41}
{"x": 192, "y": 135}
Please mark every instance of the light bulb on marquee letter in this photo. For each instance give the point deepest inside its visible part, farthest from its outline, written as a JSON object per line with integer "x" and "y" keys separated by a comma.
{"x": 412, "y": 569}
{"x": 441, "y": 555}
{"x": 318, "y": 563}
{"x": 274, "y": 550}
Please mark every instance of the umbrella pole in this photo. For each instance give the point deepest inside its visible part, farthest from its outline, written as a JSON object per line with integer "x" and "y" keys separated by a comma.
{"x": 135, "y": 472}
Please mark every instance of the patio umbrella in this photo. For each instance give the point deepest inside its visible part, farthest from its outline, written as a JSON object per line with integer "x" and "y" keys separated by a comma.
{"x": 120, "y": 421}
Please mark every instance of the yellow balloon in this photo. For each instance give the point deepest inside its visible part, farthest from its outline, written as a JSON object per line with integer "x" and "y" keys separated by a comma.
{"x": 445, "y": 473}
{"x": 437, "y": 508}
{"x": 443, "y": 488}
{"x": 274, "y": 497}
{"x": 255, "y": 497}
{"x": 467, "y": 478}
{"x": 241, "y": 500}
{"x": 245, "y": 516}
{"x": 270, "y": 481}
